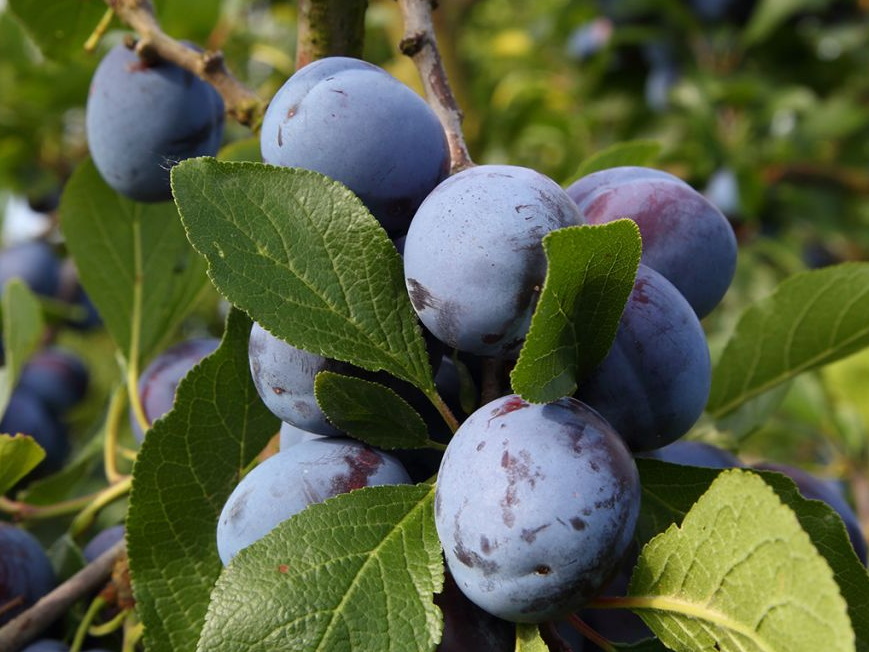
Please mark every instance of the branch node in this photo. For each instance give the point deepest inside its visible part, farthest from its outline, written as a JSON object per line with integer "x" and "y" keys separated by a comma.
{"x": 411, "y": 45}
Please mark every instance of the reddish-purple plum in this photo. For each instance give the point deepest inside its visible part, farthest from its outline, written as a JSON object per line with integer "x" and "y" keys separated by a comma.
{"x": 535, "y": 507}
{"x": 357, "y": 124}
{"x": 290, "y": 480}
{"x": 685, "y": 237}
{"x": 473, "y": 258}
{"x": 158, "y": 382}
{"x": 654, "y": 382}
{"x": 26, "y": 573}
{"x": 143, "y": 118}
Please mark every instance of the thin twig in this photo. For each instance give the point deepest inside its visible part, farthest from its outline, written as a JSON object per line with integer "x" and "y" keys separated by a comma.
{"x": 241, "y": 102}
{"x": 419, "y": 43}
{"x": 28, "y": 625}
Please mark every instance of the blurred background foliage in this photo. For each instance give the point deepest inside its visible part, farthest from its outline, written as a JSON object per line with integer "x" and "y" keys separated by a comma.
{"x": 762, "y": 104}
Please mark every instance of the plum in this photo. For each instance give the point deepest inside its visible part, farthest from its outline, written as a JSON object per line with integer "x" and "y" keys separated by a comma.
{"x": 290, "y": 480}
{"x": 28, "y": 414}
{"x": 357, "y": 124}
{"x": 685, "y": 237}
{"x": 284, "y": 378}
{"x": 35, "y": 263}
{"x": 26, "y": 573}
{"x": 144, "y": 117}
{"x": 473, "y": 257}
{"x": 159, "y": 381}
{"x": 654, "y": 382}
{"x": 695, "y": 453}
{"x": 57, "y": 376}
{"x": 535, "y": 507}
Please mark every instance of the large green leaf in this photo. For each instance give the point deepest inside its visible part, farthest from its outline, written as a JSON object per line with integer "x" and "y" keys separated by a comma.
{"x": 22, "y": 334}
{"x": 591, "y": 270}
{"x": 369, "y": 411}
{"x": 670, "y": 491}
{"x": 356, "y": 573}
{"x": 303, "y": 256}
{"x": 134, "y": 262}
{"x": 728, "y": 580}
{"x": 59, "y": 27}
{"x": 811, "y": 319}
{"x": 188, "y": 465}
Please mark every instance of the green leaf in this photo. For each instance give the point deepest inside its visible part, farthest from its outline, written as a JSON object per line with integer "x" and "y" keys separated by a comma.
{"x": 670, "y": 491}
{"x": 134, "y": 262}
{"x": 590, "y": 276}
{"x": 771, "y": 14}
{"x": 188, "y": 465}
{"x": 19, "y": 455}
{"x": 303, "y": 256}
{"x": 355, "y": 573}
{"x": 528, "y": 639}
{"x": 811, "y": 319}
{"x": 22, "y": 334}
{"x": 59, "y": 27}
{"x": 630, "y": 152}
{"x": 369, "y": 411}
{"x": 728, "y": 579}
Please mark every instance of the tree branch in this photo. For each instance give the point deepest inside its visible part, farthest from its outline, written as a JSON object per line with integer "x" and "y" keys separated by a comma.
{"x": 328, "y": 28}
{"x": 241, "y": 102}
{"x": 28, "y": 625}
{"x": 419, "y": 43}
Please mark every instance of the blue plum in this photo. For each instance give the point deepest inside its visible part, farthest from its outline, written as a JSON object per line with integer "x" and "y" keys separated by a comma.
{"x": 159, "y": 381}
{"x": 685, "y": 237}
{"x": 814, "y": 488}
{"x": 27, "y": 414}
{"x": 102, "y": 541}
{"x": 35, "y": 263}
{"x": 290, "y": 480}
{"x": 26, "y": 573}
{"x": 143, "y": 118}
{"x": 695, "y": 453}
{"x": 654, "y": 382}
{"x": 47, "y": 645}
{"x": 535, "y": 507}
{"x": 290, "y": 435}
{"x": 57, "y": 376}
{"x": 284, "y": 378}
{"x": 355, "y": 123}
{"x": 473, "y": 257}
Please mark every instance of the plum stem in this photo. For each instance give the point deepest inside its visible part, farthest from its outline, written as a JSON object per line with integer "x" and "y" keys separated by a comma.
{"x": 110, "y": 449}
{"x": 583, "y": 628}
{"x": 420, "y": 44}
{"x": 240, "y": 101}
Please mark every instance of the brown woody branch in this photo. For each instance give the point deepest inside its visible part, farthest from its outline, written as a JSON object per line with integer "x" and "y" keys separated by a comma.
{"x": 328, "y": 28}
{"x": 28, "y": 625}
{"x": 419, "y": 43}
{"x": 241, "y": 102}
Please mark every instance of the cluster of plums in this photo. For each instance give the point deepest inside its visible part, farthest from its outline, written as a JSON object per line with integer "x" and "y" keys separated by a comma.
{"x": 535, "y": 504}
